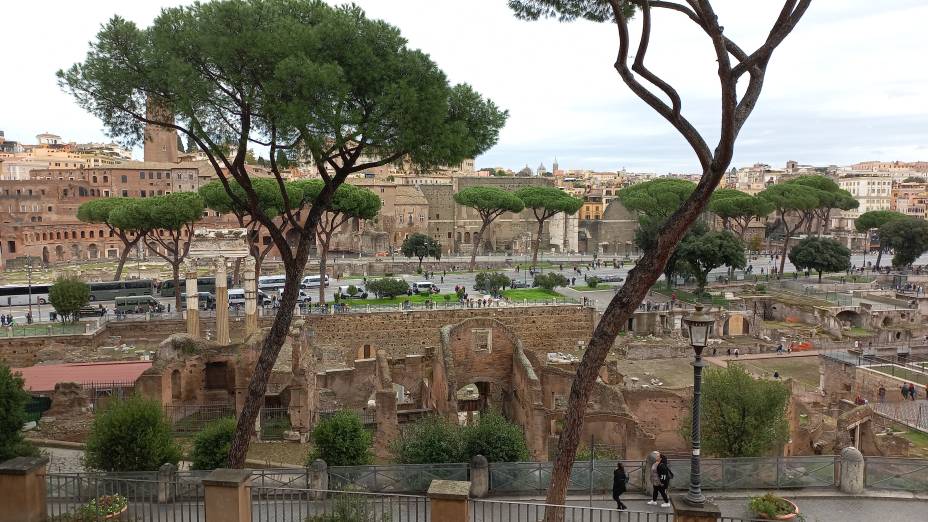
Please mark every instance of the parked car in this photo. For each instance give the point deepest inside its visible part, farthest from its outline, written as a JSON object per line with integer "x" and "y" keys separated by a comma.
{"x": 610, "y": 279}
{"x": 424, "y": 287}
{"x": 138, "y": 304}
{"x": 92, "y": 311}
{"x": 519, "y": 284}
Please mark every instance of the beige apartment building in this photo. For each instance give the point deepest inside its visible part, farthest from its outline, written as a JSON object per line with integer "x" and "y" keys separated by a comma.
{"x": 873, "y": 192}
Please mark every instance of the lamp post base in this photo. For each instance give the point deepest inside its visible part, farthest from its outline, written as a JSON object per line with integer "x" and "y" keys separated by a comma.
{"x": 685, "y": 512}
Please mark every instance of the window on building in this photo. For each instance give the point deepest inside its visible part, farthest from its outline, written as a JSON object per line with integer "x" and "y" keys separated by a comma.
{"x": 142, "y": 175}
{"x": 151, "y": 175}
{"x": 483, "y": 339}
{"x": 125, "y": 193}
{"x": 106, "y": 179}
{"x": 124, "y": 179}
{"x": 142, "y": 193}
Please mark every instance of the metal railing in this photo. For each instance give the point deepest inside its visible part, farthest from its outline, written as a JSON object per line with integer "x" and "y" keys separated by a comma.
{"x": 398, "y": 478}
{"x": 308, "y": 505}
{"x": 505, "y": 511}
{"x": 191, "y": 418}
{"x": 896, "y": 473}
{"x": 73, "y": 496}
{"x": 911, "y": 413}
{"x": 275, "y": 421}
{"x": 45, "y": 329}
{"x": 510, "y": 478}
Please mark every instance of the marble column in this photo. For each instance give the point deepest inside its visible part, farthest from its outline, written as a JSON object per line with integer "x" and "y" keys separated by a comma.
{"x": 251, "y": 296}
{"x": 222, "y": 302}
{"x": 193, "y": 298}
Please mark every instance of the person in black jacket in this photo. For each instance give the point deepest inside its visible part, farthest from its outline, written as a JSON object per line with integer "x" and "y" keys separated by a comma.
{"x": 619, "y": 483}
{"x": 660, "y": 480}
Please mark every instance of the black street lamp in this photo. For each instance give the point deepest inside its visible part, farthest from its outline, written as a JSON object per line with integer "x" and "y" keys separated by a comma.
{"x": 699, "y": 325}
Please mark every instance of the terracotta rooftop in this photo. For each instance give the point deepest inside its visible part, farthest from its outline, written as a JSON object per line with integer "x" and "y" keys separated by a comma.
{"x": 44, "y": 377}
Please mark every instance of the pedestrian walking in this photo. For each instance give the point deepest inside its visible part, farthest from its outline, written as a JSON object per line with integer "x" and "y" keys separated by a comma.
{"x": 882, "y": 393}
{"x": 737, "y": 352}
{"x": 905, "y": 392}
{"x": 912, "y": 391}
{"x": 619, "y": 485}
{"x": 660, "y": 481}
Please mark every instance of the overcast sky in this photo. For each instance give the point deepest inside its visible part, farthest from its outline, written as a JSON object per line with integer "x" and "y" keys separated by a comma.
{"x": 850, "y": 84}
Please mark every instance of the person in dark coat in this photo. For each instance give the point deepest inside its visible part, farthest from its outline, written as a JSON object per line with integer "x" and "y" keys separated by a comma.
{"x": 619, "y": 484}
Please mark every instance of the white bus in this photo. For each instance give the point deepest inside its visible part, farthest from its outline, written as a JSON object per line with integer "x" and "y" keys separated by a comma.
{"x": 272, "y": 283}
{"x": 18, "y": 295}
{"x": 313, "y": 281}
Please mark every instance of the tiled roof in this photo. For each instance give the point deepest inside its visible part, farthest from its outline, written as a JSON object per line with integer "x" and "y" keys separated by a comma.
{"x": 43, "y": 378}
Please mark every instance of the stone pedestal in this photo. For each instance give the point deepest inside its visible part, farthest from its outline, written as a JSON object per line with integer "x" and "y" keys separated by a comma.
{"x": 193, "y": 299}
{"x": 251, "y": 296}
{"x": 479, "y": 477}
{"x": 387, "y": 426}
{"x": 448, "y": 499}
{"x": 317, "y": 479}
{"x": 227, "y": 495}
{"x": 851, "y": 478}
{"x": 222, "y": 302}
{"x": 683, "y": 512}
{"x": 23, "y": 491}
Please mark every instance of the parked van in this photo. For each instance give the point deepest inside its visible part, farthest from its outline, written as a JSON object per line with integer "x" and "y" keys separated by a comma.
{"x": 313, "y": 281}
{"x": 138, "y": 304}
{"x": 207, "y": 301}
{"x": 424, "y": 287}
{"x": 237, "y": 297}
{"x": 272, "y": 283}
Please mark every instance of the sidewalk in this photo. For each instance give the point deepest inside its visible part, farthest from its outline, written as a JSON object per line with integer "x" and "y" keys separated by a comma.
{"x": 722, "y": 360}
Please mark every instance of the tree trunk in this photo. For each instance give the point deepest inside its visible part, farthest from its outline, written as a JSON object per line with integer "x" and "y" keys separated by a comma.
{"x": 537, "y": 242}
{"x": 122, "y": 261}
{"x": 419, "y": 269}
{"x": 236, "y": 269}
{"x": 274, "y": 340}
{"x": 477, "y": 238}
{"x": 879, "y": 255}
{"x": 819, "y": 276}
{"x": 323, "y": 258}
{"x": 175, "y": 269}
{"x": 785, "y": 250}
{"x": 623, "y": 305}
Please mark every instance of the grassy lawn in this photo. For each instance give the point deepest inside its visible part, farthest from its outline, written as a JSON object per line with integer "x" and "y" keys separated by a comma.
{"x": 398, "y": 300}
{"x": 673, "y": 373}
{"x": 902, "y": 373}
{"x": 586, "y": 288}
{"x": 20, "y": 330}
{"x": 803, "y": 369}
{"x": 857, "y": 331}
{"x": 857, "y": 278}
{"x": 689, "y": 297}
{"x": 919, "y": 442}
{"x": 531, "y": 294}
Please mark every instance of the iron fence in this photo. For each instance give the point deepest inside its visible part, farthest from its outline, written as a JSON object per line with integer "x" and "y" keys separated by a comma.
{"x": 45, "y": 329}
{"x": 192, "y": 418}
{"x": 101, "y": 392}
{"x": 307, "y": 505}
{"x": 896, "y": 473}
{"x": 274, "y": 422}
{"x": 400, "y": 478}
{"x": 913, "y": 414}
{"x": 509, "y": 478}
{"x": 74, "y": 497}
{"x": 504, "y": 511}
{"x": 368, "y": 417}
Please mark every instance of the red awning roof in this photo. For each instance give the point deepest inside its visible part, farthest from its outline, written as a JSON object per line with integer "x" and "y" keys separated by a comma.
{"x": 43, "y": 378}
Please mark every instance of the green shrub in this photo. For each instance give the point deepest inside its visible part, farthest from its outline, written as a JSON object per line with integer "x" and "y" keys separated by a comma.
{"x": 352, "y": 508}
{"x": 592, "y": 281}
{"x": 67, "y": 296}
{"x": 211, "y": 445}
{"x": 341, "y": 440}
{"x": 760, "y": 288}
{"x": 432, "y": 438}
{"x": 387, "y": 287}
{"x": 494, "y": 437}
{"x": 352, "y": 290}
{"x": 131, "y": 435}
{"x": 13, "y": 401}
{"x": 491, "y": 282}
{"x": 550, "y": 281}
{"x": 770, "y": 506}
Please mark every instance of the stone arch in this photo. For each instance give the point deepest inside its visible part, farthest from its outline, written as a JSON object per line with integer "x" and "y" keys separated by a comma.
{"x": 45, "y": 254}
{"x": 59, "y": 253}
{"x": 851, "y": 317}
{"x": 75, "y": 251}
{"x": 886, "y": 322}
{"x": 467, "y": 237}
{"x": 93, "y": 251}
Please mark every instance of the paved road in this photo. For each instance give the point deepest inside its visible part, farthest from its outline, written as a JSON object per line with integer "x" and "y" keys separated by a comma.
{"x": 600, "y": 298}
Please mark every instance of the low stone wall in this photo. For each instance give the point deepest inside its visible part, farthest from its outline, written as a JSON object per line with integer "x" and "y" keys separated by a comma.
{"x": 339, "y": 339}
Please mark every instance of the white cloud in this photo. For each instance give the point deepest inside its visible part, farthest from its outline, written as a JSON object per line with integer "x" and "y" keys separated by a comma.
{"x": 848, "y": 85}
